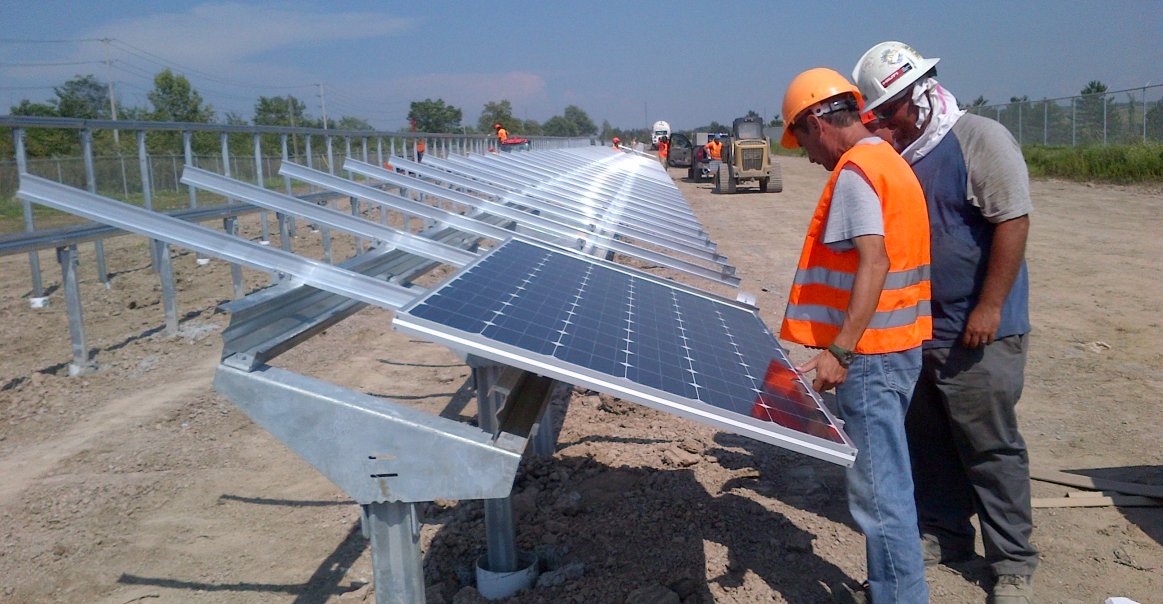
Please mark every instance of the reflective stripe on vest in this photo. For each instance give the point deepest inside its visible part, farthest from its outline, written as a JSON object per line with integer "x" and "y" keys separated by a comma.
{"x": 844, "y": 281}
{"x": 820, "y": 293}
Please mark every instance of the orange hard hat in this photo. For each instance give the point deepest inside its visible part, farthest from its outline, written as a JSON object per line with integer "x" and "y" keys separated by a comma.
{"x": 808, "y": 89}
{"x": 617, "y": 140}
{"x": 497, "y": 126}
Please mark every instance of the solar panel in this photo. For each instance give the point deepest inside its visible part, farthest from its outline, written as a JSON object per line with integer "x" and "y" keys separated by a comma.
{"x": 589, "y": 322}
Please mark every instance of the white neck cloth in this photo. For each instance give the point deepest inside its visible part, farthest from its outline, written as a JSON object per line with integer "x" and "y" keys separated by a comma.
{"x": 944, "y": 111}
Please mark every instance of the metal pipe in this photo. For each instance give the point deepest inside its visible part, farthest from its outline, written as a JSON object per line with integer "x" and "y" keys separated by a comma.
{"x": 91, "y": 185}
{"x": 37, "y": 299}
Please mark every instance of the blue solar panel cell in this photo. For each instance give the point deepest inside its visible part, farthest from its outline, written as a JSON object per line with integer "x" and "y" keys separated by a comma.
{"x": 583, "y": 312}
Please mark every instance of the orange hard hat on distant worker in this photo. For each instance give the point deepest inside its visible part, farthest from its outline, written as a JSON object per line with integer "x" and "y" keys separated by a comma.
{"x": 496, "y": 126}
{"x": 617, "y": 140}
{"x": 808, "y": 89}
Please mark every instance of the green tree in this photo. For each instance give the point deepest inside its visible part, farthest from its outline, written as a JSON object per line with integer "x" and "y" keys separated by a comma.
{"x": 976, "y": 105}
{"x": 175, "y": 100}
{"x": 499, "y": 112}
{"x": 279, "y": 111}
{"x": 83, "y": 97}
{"x": 348, "y": 122}
{"x": 1155, "y": 122}
{"x": 42, "y": 142}
{"x": 531, "y": 128}
{"x": 435, "y": 116}
{"x": 584, "y": 125}
{"x": 1089, "y": 112}
{"x": 608, "y": 132}
{"x": 559, "y": 126}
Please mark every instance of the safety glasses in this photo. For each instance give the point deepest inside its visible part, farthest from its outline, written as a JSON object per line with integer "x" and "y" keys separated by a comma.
{"x": 890, "y": 107}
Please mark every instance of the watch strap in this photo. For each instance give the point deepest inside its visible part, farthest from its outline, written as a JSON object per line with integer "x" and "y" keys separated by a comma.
{"x": 844, "y": 356}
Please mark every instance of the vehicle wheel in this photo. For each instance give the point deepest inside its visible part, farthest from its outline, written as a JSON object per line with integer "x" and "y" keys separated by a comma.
{"x": 776, "y": 185}
{"x": 763, "y": 185}
{"x": 726, "y": 183}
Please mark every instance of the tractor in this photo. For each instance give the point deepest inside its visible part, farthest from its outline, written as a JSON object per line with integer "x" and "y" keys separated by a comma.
{"x": 747, "y": 159}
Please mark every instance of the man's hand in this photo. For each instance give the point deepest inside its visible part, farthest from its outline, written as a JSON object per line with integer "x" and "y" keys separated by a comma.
{"x": 981, "y": 328}
{"x": 829, "y": 373}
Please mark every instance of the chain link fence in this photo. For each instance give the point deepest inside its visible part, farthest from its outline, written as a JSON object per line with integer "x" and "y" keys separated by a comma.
{"x": 1119, "y": 117}
{"x": 120, "y": 176}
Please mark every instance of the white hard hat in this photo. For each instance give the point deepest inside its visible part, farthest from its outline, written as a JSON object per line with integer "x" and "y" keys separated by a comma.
{"x": 886, "y": 69}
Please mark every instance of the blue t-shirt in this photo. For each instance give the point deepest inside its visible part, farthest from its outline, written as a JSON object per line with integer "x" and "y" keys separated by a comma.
{"x": 973, "y": 179}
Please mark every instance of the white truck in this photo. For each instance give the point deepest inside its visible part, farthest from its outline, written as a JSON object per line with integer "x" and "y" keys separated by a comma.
{"x": 660, "y": 130}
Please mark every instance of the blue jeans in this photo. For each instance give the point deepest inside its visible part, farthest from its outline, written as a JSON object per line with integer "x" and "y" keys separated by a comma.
{"x": 872, "y": 402}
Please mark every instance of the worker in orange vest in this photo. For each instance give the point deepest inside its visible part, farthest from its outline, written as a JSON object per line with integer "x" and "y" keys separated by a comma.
{"x": 715, "y": 148}
{"x": 663, "y": 150}
{"x": 502, "y": 134}
{"x": 617, "y": 143}
{"x": 861, "y": 296}
{"x": 420, "y": 148}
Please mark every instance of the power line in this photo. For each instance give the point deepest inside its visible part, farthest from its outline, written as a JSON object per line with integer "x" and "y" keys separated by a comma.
{"x": 153, "y": 58}
{"x": 29, "y": 41}
{"x": 51, "y": 64}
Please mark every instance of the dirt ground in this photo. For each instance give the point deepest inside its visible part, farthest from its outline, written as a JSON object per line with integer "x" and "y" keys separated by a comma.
{"x": 138, "y": 483}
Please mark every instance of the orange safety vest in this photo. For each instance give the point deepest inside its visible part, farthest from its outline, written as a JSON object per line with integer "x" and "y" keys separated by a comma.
{"x": 502, "y": 134}
{"x": 716, "y": 149}
{"x": 818, "y": 302}
{"x": 420, "y": 146}
{"x": 663, "y": 147}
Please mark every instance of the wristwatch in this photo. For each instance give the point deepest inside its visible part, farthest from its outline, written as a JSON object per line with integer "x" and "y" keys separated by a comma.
{"x": 845, "y": 357}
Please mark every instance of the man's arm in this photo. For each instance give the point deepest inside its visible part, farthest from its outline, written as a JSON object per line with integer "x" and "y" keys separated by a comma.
{"x": 870, "y": 274}
{"x": 1005, "y": 260}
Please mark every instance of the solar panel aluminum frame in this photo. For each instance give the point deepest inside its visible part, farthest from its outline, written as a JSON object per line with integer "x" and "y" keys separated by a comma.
{"x": 620, "y": 225}
{"x": 606, "y": 176}
{"x": 475, "y": 344}
{"x": 652, "y": 214}
{"x": 597, "y": 181}
{"x": 556, "y": 230}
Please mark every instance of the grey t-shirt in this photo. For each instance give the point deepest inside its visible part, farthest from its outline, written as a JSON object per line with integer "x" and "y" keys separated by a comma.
{"x": 999, "y": 184}
{"x": 855, "y": 209}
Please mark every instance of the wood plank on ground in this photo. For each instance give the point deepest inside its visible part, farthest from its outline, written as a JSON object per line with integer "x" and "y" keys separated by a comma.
{"x": 1096, "y": 484}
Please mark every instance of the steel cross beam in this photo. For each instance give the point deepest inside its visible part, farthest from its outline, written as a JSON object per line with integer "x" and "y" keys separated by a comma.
{"x": 212, "y": 243}
{"x": 286, "y": 204}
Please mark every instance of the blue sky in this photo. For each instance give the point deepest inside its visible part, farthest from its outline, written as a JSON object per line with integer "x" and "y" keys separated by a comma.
{"x": 628, "y": 62}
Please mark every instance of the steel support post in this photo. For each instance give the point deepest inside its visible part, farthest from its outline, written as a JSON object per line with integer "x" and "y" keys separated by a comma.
{"x": 231, "y": 224}
{"x": 286, "y": 223}
{"x": 396, "y": 559}
{"x": 161, "y": 251}
{"x": 500, "y": 531}
{"x": 37, "y": 299}
{"x": 67, "y": 256}
{"x": 146, "y": 191}
{"x": 91, "y": 185}
{"x": 261, "y": 181}
{"x": 353, "y": 202}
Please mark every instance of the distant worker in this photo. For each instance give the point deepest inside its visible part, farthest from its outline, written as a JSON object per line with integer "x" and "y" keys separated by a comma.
{"x": 502, "y": 134}
{"x": 861, "y": 297}
{"x": 617, "y": 143}
{"x": 420, "y": 148}
{"x": 715, "y": 148}
{"x": 663, "y": 150}
{"x": 968, "y": 456}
